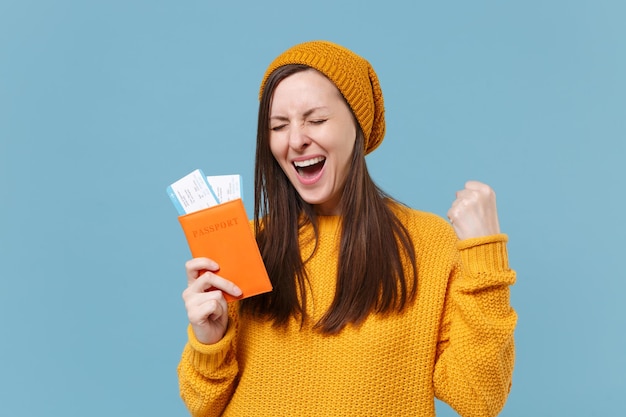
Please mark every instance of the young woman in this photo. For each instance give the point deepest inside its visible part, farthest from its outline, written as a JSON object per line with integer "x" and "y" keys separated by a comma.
{"x": 377, "y": 308}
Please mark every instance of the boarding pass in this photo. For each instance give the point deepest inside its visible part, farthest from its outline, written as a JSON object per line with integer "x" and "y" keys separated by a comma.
{"x": 196, "y": 191}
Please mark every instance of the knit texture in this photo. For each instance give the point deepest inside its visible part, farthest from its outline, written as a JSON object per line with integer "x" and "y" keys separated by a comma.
{"x": 352, "y": 75}
{"x": 455, "y": 342}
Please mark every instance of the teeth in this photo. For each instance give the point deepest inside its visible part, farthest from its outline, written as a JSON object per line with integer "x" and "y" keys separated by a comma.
{"x": 308, "y": 162}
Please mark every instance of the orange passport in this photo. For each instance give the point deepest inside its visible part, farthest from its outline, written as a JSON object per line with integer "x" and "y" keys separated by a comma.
{"x": 223, "y": 233}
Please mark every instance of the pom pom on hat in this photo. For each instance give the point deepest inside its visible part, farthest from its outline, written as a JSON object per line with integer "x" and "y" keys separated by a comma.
{"x": 352, "y": 75}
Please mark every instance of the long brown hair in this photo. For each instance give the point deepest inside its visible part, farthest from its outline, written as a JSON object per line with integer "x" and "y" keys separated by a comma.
{"x": 370, "y": 275}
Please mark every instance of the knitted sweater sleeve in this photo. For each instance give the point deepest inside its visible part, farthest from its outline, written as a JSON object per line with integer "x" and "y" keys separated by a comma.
{"x": 475, "y": 352}
{"x": 207, "y": 373}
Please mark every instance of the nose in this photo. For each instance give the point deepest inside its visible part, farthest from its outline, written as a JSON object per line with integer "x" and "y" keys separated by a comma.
{"x": 298, "y": 139}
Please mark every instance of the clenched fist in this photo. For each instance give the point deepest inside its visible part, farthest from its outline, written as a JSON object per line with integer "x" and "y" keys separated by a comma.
{"x": 474, "y": 213}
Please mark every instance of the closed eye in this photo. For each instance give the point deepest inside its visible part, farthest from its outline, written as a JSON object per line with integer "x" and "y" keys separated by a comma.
{"x": 318, "y": 121}
{"x": 277, "y": 127}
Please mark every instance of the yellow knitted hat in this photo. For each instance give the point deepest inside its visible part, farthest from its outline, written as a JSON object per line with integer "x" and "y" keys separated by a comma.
{"x": 352, "y": 75}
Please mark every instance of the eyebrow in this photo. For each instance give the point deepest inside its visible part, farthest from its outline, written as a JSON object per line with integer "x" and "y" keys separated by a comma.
{"x": 306, "y": 113}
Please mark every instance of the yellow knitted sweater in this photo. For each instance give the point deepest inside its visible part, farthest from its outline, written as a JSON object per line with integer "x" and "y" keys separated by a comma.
{"x": 455, "y": 342}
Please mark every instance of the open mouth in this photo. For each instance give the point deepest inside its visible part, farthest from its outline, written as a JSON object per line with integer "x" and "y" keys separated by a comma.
{"x": 311, "y": 167}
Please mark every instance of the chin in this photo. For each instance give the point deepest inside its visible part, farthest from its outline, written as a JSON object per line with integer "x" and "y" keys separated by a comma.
{"x": 313, "y": 200}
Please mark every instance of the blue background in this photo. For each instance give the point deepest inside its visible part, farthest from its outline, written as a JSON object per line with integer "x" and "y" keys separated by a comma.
{"x": 104, "y": 104}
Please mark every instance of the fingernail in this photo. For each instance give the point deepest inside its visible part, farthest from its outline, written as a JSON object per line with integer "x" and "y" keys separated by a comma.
{"x": 237, "y": 291}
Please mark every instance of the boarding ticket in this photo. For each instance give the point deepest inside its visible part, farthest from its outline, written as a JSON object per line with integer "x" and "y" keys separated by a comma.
{"x": 195, "y": 191}
{"x": 226, "y": 187}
